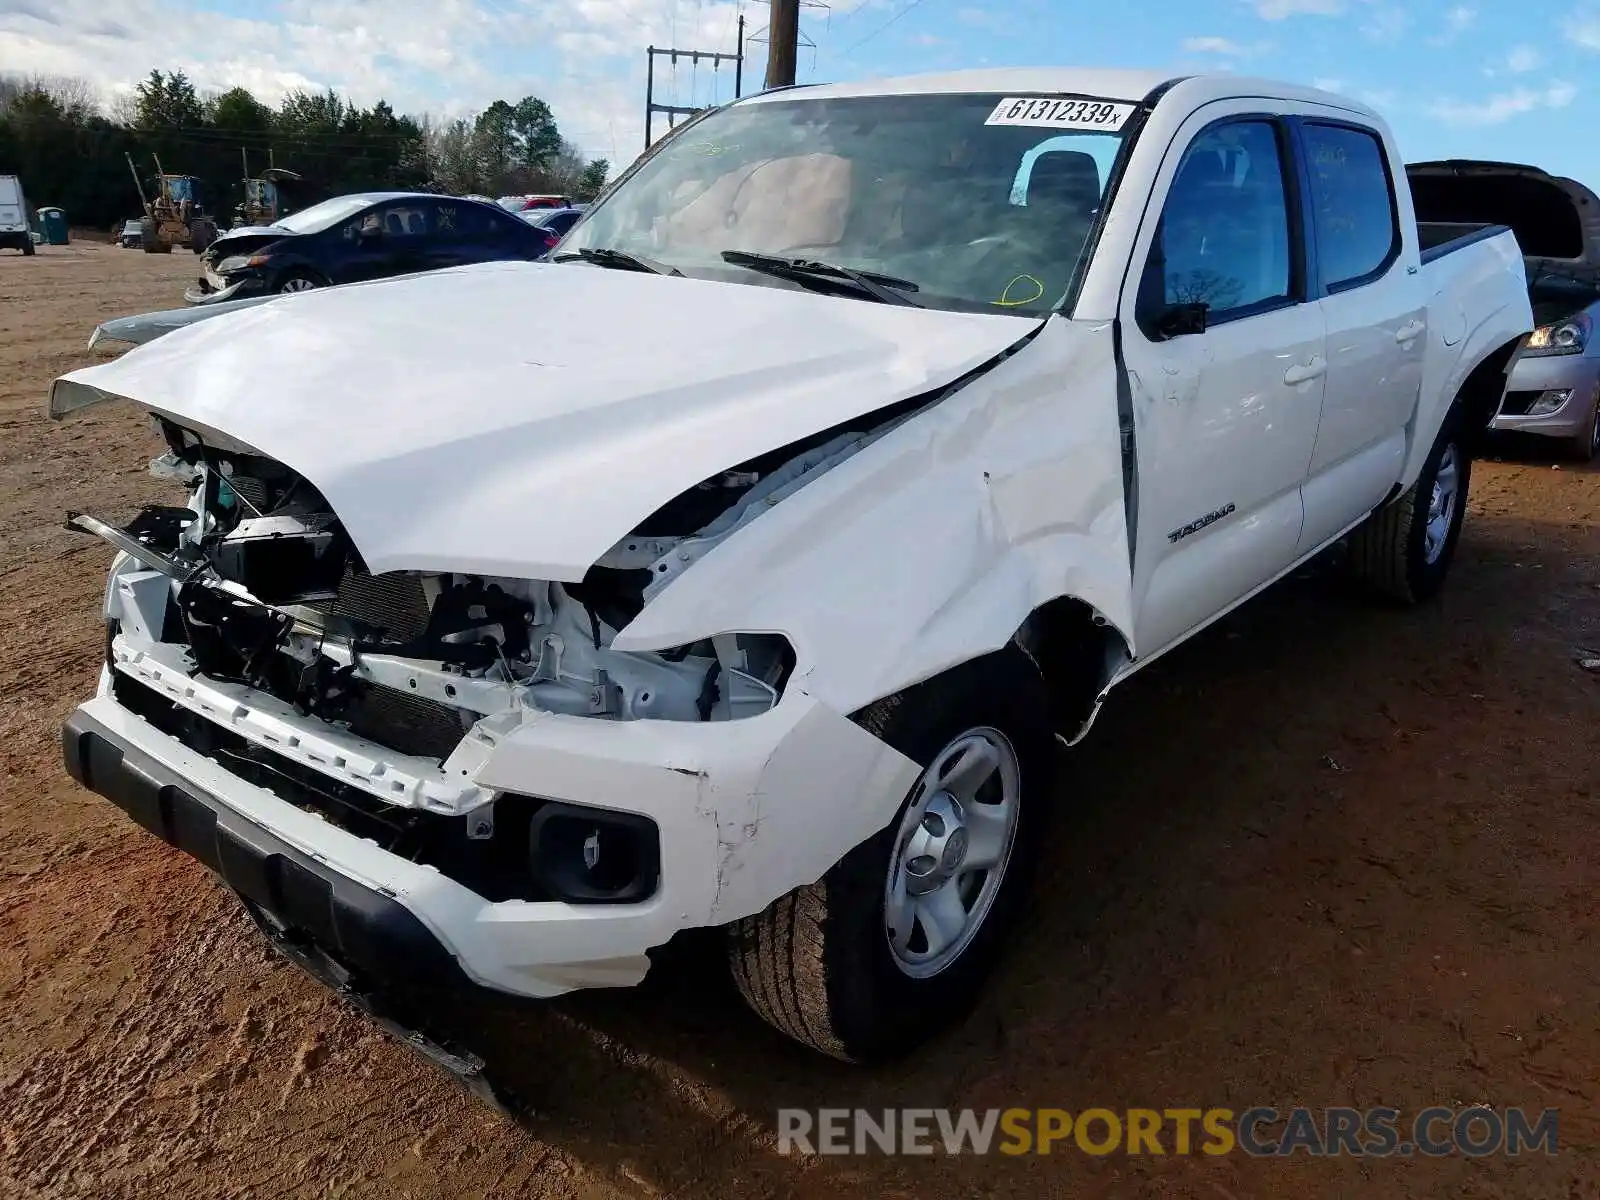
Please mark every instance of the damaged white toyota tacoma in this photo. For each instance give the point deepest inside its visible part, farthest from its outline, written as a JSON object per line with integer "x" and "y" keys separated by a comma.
{"x": 868, "y": 435}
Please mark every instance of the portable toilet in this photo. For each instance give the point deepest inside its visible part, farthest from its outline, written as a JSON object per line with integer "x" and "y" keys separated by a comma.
{"x": 53, "y": 226}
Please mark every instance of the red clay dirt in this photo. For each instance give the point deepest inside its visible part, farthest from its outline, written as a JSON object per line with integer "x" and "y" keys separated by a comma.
{"x": 1327, "y": 854}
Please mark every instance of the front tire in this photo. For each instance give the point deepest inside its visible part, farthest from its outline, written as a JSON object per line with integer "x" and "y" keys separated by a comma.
{"x": 894, "y": 943}
{"x": 28, "y": 248}
{"x": 1404, "y": 550}
{"x": 299, "y": 281}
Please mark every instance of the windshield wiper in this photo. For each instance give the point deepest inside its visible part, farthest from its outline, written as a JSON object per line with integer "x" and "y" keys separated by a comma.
{"x": 869, "y": 285}
{"x": 620, "y": 260}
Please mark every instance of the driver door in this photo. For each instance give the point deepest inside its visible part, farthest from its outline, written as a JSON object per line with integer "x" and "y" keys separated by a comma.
{"x": 1225, "y": 358}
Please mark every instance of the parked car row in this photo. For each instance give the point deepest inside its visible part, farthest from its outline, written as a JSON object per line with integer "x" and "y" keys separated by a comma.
{"x": 1554, "y": 390}
{"x": 553, "y": 220}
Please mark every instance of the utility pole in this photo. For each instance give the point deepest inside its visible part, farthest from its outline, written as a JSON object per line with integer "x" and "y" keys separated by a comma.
{"x": 783, "y": 40}
{"x": 738, "y": 63}
{"x": 674, "y": 111}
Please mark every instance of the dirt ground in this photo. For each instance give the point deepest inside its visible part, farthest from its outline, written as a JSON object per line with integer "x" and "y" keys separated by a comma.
{"x": 1327, "y": 854}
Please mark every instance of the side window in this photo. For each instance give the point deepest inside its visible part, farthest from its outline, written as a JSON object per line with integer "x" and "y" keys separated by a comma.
{"x": 410, "y": 219}
{"x": 452, "y": 222}
{"x": 1224, "y": 238}
{"x": 1352, "y": 199}
{"x": 368, "y": 224}
{"x": 501, "y": 227}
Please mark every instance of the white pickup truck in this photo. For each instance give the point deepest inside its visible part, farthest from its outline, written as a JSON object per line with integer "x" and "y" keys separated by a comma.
{"x": 869, "y": 435}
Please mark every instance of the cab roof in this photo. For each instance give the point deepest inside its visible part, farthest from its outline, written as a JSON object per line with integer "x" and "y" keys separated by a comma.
{"x": 1110, "y": 83}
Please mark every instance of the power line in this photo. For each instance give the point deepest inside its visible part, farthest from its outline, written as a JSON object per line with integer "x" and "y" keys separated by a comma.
{"x": 856, "y": 46}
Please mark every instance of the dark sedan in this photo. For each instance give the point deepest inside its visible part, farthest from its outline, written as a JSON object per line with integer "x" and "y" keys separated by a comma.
{"x": 369, "y": 236}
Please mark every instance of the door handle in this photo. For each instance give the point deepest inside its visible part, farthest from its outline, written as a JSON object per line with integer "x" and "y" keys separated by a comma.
{"x": 1305, "y": 373}
{"x": 1409, "y": 332}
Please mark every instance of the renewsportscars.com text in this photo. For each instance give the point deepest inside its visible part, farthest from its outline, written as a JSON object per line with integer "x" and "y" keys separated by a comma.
{"x": 1260, "y": 1132}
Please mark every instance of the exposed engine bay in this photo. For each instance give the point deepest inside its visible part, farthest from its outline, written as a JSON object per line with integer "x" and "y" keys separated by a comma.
{"x": 262, "y": 587}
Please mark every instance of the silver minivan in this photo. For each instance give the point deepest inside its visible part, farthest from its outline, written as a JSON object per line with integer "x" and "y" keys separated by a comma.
{"x": 1554, "y": 390}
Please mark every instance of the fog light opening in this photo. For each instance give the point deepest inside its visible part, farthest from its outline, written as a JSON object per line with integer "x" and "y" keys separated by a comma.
{"x": 1549, "y": 401}
{"x": 593, "y": 856}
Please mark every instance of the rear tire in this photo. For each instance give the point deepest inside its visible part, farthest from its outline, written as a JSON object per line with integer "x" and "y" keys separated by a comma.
{"x": 149, "y": 237}
{"x": 1404, "y": 550}
{"x": 822, "y": 963}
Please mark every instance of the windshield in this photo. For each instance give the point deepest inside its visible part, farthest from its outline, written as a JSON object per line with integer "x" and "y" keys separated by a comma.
{"x": 983, "y": 211}
{"x": 323, "y": 216}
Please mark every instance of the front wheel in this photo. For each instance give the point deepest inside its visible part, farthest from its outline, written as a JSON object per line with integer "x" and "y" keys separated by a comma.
{"x": 27, "y": 248}
{"x": 1404, "y": 550}
{"x": 298, "y": 282}
{"x": 894, "y": 943}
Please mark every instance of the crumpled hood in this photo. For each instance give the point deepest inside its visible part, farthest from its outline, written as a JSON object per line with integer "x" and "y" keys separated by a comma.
{"x": 255, "y": 234}
{"x": 520, "y": 419}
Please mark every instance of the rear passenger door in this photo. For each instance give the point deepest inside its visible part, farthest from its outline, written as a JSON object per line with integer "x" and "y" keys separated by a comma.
{"x": 1364, "y": 271}
{"x": 474, "y": 233}
{"x": 455, "y": 227}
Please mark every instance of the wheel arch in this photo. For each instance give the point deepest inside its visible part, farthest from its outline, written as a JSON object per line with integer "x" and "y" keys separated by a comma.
{"x": 1479, "y": 397}
{"x": 1079, "y": 653}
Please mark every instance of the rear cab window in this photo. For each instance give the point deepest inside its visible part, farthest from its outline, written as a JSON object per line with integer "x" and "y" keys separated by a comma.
{"x": 1352, "y": 203}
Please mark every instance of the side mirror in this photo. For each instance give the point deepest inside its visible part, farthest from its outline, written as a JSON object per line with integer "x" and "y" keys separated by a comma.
{"x": 1178, "y": 320}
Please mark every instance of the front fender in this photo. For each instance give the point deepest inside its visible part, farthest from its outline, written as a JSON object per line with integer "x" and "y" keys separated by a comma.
{"x": 932, "y": 545}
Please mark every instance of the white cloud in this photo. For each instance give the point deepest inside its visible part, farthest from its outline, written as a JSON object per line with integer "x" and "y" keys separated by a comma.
{"x": 1584, "y": 32}
{"x": 1278, "y": 10}
{"x": 1224, "y": 47}
{"x": 1386, "y": 25}
{"x": 440, "y": 56}
{"x": 1502, "y": 106}
{"x": 982, "y": 18}
{"x": 1456, "y": 22}
{"x": 1523, "y": 59}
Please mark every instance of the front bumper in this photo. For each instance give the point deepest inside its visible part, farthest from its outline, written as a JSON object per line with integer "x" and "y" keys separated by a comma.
{"x": 367, "y": 929}
{"x": 206, "y": 292}
{"x": 747, "y": 810}
{"x": 358, "y": 941}
{"x": 1532, "y": 376}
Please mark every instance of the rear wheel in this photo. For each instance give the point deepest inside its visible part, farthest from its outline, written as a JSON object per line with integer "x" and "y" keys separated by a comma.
{"x": 896, "y": 940}
{"x": 1404, "y": 550}
{"x": 149, "y": 237}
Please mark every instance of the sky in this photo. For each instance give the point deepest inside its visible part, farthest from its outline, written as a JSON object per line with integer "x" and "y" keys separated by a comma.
{"x": 1456, "y": 78}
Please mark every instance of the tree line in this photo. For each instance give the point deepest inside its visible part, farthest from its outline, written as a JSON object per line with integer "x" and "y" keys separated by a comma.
{"x": 72, "y": 152}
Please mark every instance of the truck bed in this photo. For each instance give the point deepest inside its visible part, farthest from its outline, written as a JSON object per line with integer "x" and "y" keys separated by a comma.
{"x": 1438, "y": 238}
